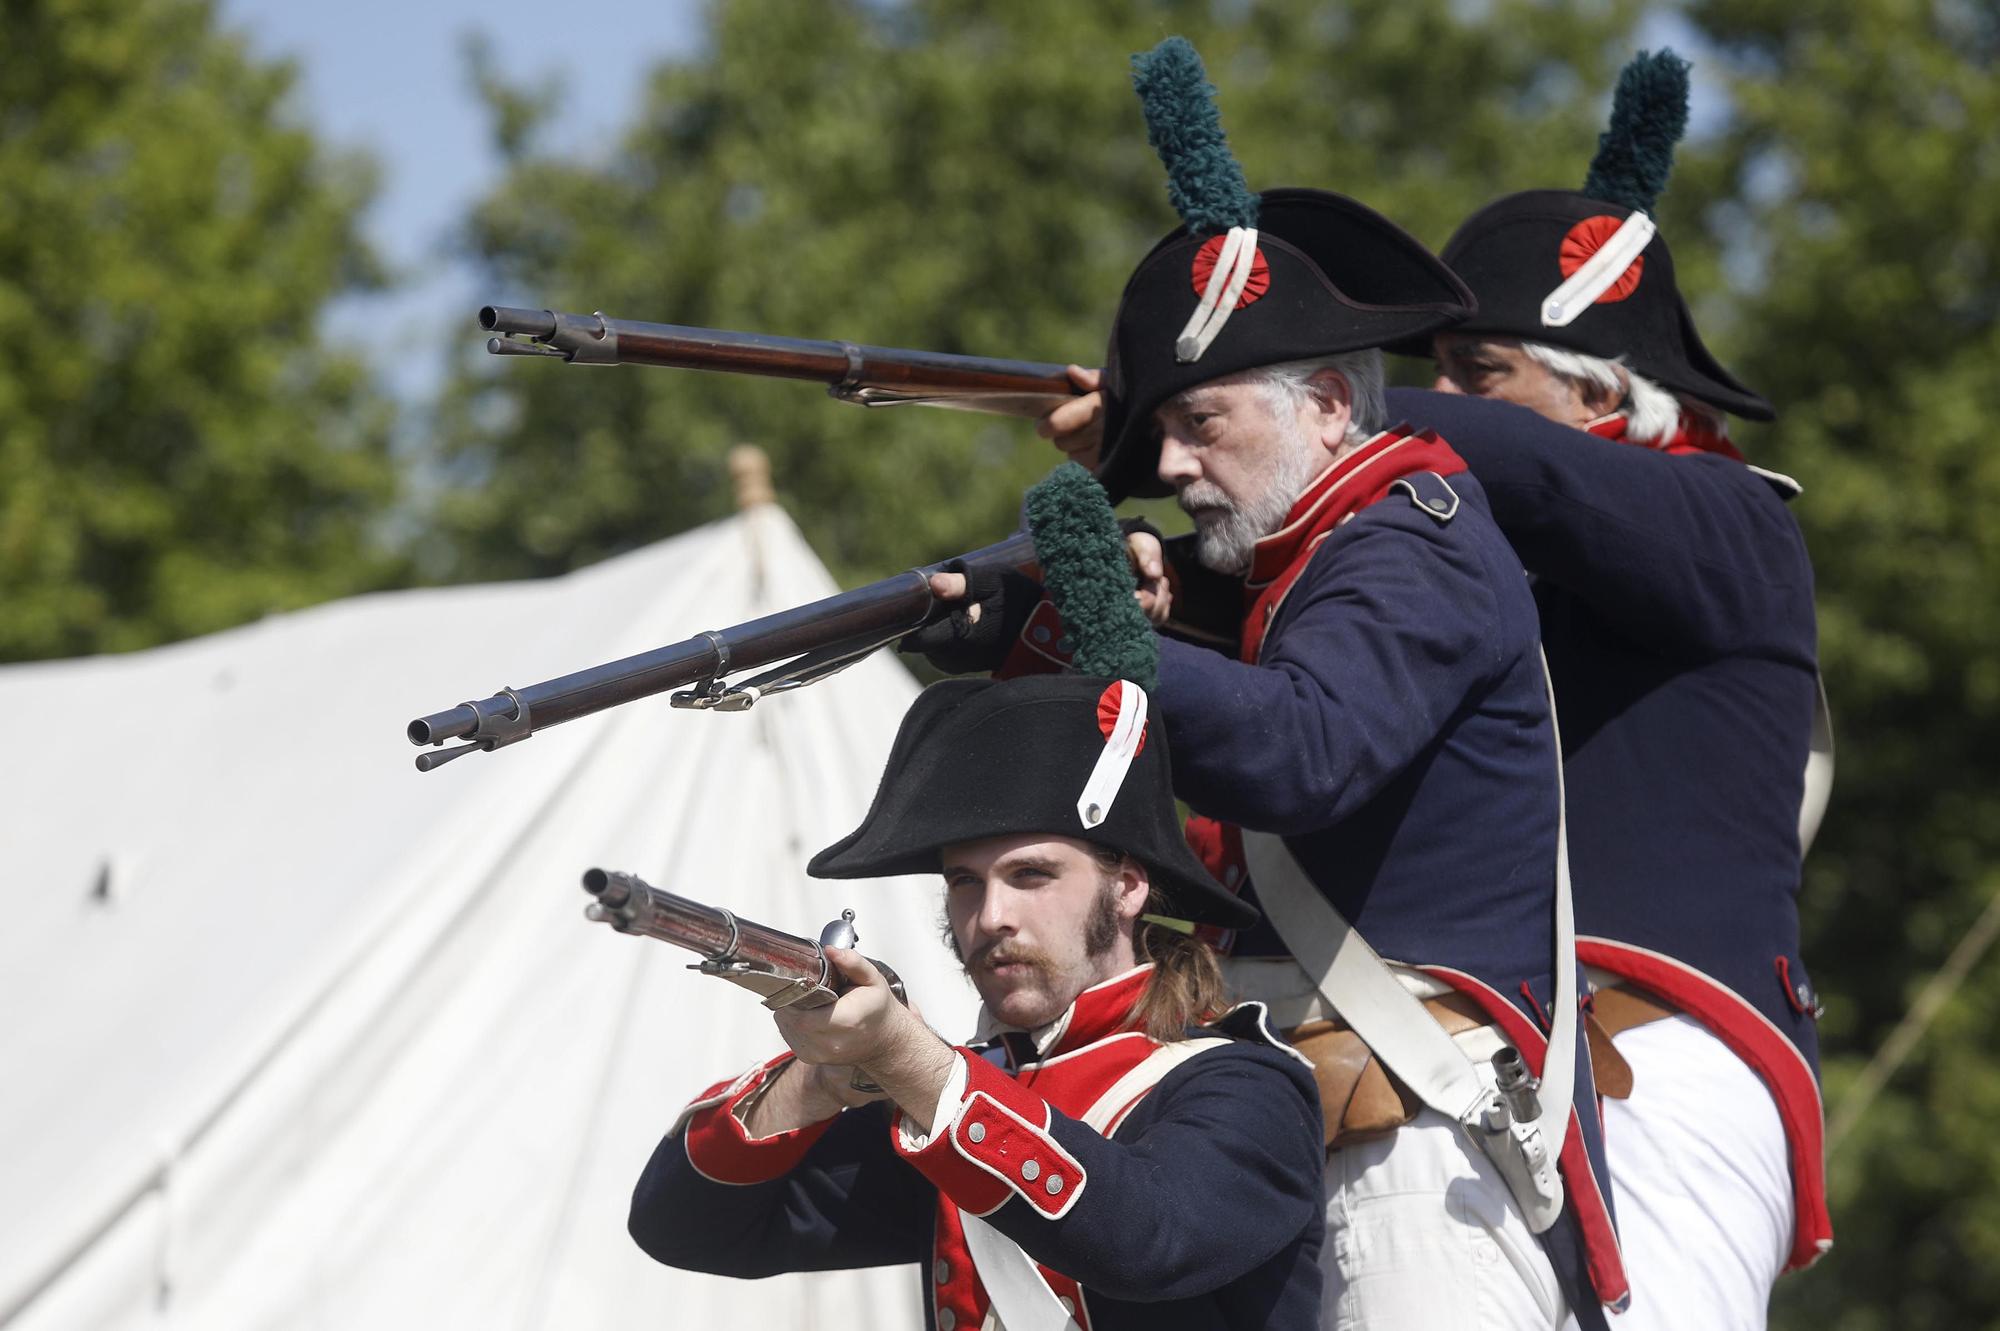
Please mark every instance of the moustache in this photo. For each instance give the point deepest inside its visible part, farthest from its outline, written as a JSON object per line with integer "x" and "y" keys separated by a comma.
{"x": 1201, "y": 498}
{"x": 1003, "y": 952}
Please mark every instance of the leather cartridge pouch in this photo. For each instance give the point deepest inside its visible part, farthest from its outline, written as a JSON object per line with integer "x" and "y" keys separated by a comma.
{"x": 1361, "y": 1099}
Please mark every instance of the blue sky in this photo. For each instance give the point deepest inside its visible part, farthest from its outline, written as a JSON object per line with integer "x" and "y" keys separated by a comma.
{"x": 388, "y": 77}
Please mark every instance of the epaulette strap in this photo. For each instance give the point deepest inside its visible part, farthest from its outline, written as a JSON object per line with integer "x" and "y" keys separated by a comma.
{"x": 1431, "y": 493}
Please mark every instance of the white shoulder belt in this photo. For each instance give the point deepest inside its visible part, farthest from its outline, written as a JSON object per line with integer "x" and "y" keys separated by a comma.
{"x": 1357, "y": 984}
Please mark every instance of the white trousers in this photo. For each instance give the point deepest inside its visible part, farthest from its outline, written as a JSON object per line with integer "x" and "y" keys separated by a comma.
{"x": 1422, "y": 1234}
{"x": 1701, "y": 1180}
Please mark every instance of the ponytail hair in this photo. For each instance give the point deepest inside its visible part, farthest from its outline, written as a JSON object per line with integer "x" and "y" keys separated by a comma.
{"x": 1186, "y": 988}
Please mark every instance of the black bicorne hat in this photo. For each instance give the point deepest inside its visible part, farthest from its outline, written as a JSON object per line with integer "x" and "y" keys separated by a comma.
{"x": 1067, "y": 755}
{"x": 1527, "y": 256}
{"x": 1326, "y": 275}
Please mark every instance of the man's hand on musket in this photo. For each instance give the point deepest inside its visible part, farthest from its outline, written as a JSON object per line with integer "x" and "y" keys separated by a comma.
{"x": 1077, "y": 426}
{"x": 1149, "y": 565}
{"x": 865, "y": 1028}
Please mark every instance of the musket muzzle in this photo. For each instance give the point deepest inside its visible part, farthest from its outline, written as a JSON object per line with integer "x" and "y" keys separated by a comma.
{"x": 511, "y": 319}
{"x": 612, "y": 890}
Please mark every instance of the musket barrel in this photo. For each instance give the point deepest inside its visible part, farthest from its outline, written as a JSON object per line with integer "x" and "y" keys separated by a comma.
{"x": 711, "y": 933}
{"x": 676, "y": 347}
{"x": 893, "y": 605}
{"x": 660, "y": 914}
{"x": 869, "y": 376}
{"x": 906, "y": 597}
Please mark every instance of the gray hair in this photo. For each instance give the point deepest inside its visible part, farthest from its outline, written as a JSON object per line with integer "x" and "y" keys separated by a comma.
{"x": 1652, "y": 413}
{"x": 1363, "y": 372}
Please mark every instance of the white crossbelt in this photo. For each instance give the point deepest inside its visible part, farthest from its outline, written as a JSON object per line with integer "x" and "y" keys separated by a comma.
{"x": 1022, "y": 1300}
{"x": 1399, "y": 1030}
{"x": 1292, "y": 997}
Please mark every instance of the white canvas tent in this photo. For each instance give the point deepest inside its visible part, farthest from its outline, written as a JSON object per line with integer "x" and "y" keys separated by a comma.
{"x": 292, "y": 1036}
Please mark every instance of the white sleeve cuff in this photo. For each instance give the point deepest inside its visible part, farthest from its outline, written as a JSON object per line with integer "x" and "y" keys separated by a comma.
{"x": 949, "y": 1100}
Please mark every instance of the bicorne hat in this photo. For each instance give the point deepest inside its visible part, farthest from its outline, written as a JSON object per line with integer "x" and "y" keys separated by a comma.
{"x": 1586, "y": 270}
{"x": 1068, "y": 755}
{"x": 1247, "y": 280}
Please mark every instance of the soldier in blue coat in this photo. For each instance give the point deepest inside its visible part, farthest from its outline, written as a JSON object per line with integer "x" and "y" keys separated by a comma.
{"x": 1093, "y": 1162}
{"x": 1676, "y": 602}
{"x": 1381, "y": 742}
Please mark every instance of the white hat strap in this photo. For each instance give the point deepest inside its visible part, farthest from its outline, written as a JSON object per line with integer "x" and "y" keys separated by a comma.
{"x": 1128, "y": 732}
{"x": 1218, "y": 300}
{"x": 1596, "y": 274}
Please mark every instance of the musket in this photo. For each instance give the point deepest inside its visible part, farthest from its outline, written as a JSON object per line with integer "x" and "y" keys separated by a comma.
{"x": 866, "y": 376}
{"x": 783, "y": 969}
{"x": 814, "y": 641}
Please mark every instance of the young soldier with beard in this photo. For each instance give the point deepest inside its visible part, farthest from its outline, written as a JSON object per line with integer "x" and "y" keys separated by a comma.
{"x": 1092, "y": 1161}
{"x": 1382, "y": 752}
{"x": 1676, "y": 601}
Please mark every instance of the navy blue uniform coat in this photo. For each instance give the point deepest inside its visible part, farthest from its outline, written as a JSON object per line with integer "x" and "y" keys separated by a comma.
{"x": 1202, "y": 1209}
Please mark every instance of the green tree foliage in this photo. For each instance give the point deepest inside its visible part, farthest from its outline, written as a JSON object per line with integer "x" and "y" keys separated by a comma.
{"x": 946, "y": 174}
{"x": 177, "y": 452}
{"x": 1855, "y": 198}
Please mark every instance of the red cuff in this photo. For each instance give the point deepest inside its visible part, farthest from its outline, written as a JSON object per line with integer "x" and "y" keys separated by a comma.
{"x": 998, "y": 1145}
{"x": 721, "y": 1150}
{"x": 1043, "y": 647}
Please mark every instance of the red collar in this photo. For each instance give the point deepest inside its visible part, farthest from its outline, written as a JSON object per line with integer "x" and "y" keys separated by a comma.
{"x": 1344, "y": 489}
{"x": 1694, "y": 435}
{"x": 1103, "y": 1010}
{"x": 1361, "y": 478}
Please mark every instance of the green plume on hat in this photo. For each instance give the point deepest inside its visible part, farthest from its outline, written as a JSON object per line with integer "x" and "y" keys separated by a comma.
{"x": 1204, "y": 182}
{"x": 1649, "y": 113}
{"x": 1088, "y": 576}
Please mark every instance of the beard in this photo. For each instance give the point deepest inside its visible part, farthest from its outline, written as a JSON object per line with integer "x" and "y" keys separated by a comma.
{"x": 1030, "y": 999}
{"x": 1227, "y": 530}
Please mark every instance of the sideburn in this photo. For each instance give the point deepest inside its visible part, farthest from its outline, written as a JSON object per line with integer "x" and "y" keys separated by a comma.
{"x": 1100, "y": 931}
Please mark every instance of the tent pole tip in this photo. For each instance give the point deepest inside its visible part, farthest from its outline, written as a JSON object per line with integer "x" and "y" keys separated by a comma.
{"x": 750, "y": 469}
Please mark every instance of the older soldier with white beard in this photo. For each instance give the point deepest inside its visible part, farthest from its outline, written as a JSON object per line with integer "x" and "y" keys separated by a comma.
{"x": 1382, "y": 747}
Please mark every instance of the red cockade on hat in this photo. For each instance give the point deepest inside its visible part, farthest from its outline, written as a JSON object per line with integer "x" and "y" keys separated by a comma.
{"x": 1203, "y": 270}
{"x": 1121, "y": 715}
{"x": 1108, "y": 708}
{"x": 1587, "y": 238}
